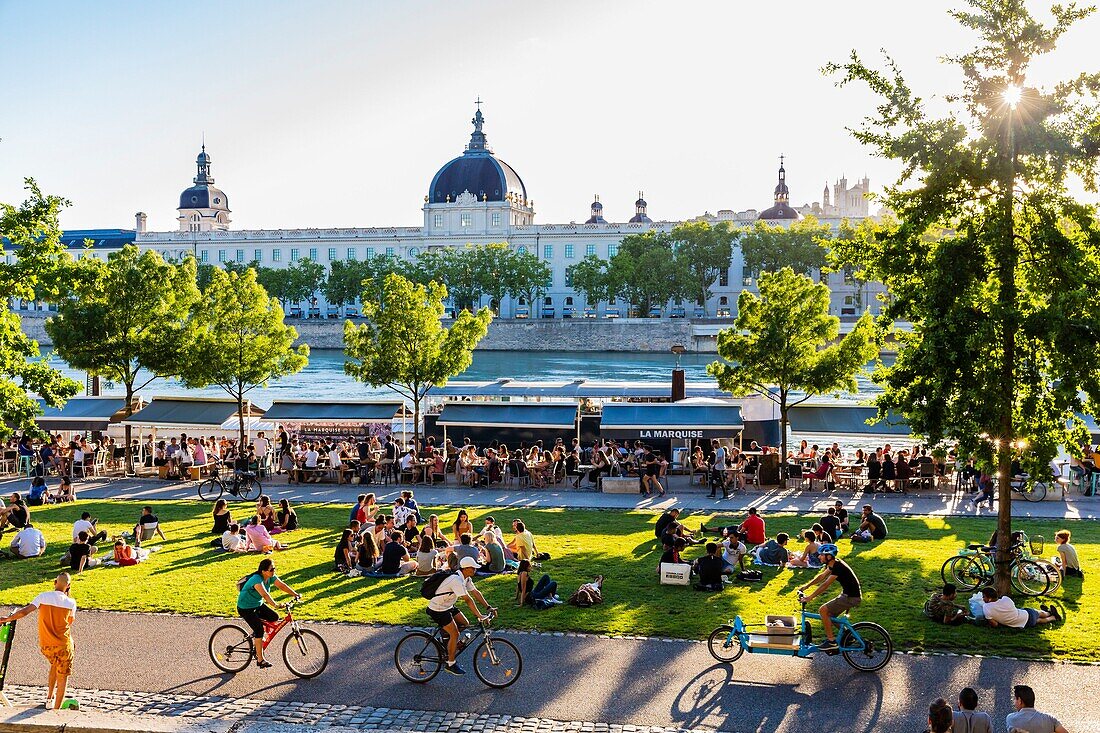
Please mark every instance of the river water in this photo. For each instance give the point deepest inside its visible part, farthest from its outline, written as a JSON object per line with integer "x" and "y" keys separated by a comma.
{"x": 324, "y": 378}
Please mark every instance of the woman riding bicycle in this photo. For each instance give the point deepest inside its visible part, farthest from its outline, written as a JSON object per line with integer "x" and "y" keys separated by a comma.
{"x": 254, "y": 593}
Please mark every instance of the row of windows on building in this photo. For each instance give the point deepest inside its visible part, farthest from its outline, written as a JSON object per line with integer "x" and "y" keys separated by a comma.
{"x": 352, "y": 254}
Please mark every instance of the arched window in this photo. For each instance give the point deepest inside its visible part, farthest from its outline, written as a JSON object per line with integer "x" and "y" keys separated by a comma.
{"x": 414, "y": 251}
{"x": 569, "y": 300}
{"x": 723, "y": 300}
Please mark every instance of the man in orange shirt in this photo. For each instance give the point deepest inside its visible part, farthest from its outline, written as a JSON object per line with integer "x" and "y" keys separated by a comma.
{"x": 56, "y": 613}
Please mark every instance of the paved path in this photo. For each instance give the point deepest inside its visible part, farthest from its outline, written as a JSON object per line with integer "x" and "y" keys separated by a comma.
{"x": 639, "y": 682}
{"x": 772, "y": 500}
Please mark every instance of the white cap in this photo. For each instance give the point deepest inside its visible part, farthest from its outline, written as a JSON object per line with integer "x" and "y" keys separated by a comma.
{"x": 468, "y": 562}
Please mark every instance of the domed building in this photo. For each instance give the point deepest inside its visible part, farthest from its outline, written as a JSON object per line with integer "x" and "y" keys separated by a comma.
{"x": 596, "y": 212}
{"x": 477, "y": 190}
{"x": 203, "y": 207}
{"x": 781, "y": 210}
{"x": 640, "y": 206}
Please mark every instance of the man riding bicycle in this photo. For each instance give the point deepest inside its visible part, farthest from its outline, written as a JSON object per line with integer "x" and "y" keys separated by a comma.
{"x": 255, "y": 592}
{"x": 850, "y": 592}
{"x": 442, "y": 609}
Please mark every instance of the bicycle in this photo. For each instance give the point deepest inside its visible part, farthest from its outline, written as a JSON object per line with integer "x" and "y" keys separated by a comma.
{"x": 497, "y": 662}
{"x": 1030, "y": 489}
{"x": 865, "y": 645}
{"x": 305, "y": 652}
{"x": 973, "y": 567}
{"x": 244, "y": 485}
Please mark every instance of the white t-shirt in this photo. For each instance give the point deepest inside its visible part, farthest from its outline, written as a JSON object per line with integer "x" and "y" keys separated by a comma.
{"x": 311, "y": 458}
{"x": 494, "y": 530}
{"x": 78, "y": 455}
{"x": 28, "y": 542}
{"x": 1004, "y": 612}
{"x": 232, "y": 541}
{"x": 82, "y": 525}
{"x": 262, "y": 447}
{"x": 733, "y": 550}
{"x": 1068, "y": 554}
{"x": 400, "y": 515}
{"x": 334, "y": 458}
{"x": 185, "y": 456}
{"x": 406, "y": 462}
{"x": 449, "y": 591}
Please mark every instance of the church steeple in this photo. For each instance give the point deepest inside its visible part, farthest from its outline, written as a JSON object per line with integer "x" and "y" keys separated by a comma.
{"x": 782, "y": 195}
{"x": 478, "y": 142}
{"x": 203, "y": 163}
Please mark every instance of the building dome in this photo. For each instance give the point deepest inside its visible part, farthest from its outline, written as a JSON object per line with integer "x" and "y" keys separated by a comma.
{"x": 640, "y": 216}
{"x": 596, "y": 212}
{"x": 478, "y": 171}
{"x": 203, "y": 195}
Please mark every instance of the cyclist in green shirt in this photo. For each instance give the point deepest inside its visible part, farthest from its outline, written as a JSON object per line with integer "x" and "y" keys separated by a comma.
{"x": 255, "y": 592}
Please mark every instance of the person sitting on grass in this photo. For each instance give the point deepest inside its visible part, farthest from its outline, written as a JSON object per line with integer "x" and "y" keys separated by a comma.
{"x": 842, "y": 515}
{"x": 147, "y": 519}
{"x": 668, "y": 524}
{"x": 774, "y": 552}
{"x": 462, "y": 525}
{"x": 65, "y": 492}
{"x": 395, "y": 558}
{"x": 734, "y": 551}
{"x": 871, "y": 527}
{"x": 411, "y": 532}
{"x": 1067, "y": 555}
{"x": 37, "y": 494}
{"x": 808, "y": 557}
{"x": 286, "y": 518}
{"x": 366, "y": 556}
{"x": 466, "y": 548}
{"x": 87, "y": 523}
{"x": 823, "y": 537}
{"x": 28, "y": 542}
{"x": 530, "y": 593}
{"x": 941, "y": 607}
{"x": 710, "y": 568}
{"x": 82, "y": 554}
{"x": 671, "y": 553}
{"x": 1001, "y": 611}
{"x": 233, "y": 540}
{"x": 411, "y": 505}
{"x": 830, "y": 524}
{"x": 426, "y": 557}
{"x": 125, "y": 555}
{"x": 344, "y": 557}
{"x": 753, "y": 526}
{"x": 260, "y": 539}
{"x": 495, "y": 562}
{"x": 523, "y": 545}
{"x": 222, "y": 517}
{"x": 15, "y": 514}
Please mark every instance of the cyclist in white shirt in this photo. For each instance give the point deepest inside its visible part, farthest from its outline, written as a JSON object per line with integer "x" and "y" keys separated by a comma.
{"x": 441, "y": 608}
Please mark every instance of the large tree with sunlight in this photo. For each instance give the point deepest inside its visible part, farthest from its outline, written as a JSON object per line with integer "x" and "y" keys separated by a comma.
{"x": 992, "y": 259}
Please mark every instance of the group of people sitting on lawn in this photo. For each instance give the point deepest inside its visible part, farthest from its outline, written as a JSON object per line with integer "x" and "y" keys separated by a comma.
{"x": 750, "y": 539}
{"x": 255, "y": 534}
{"x": 403, "y": 543}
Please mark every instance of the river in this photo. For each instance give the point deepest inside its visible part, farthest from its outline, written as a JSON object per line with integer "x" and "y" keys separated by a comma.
{"x": 324, "y": 377}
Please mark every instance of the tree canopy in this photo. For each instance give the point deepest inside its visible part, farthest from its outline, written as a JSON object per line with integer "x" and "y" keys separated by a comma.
{"x": 31, "y": 233}
{"x": 771, "y": 247}
{"x": 126, "y": 319}
{"x": 702, "y": 252}
{"x": 240, "y": 341}
{"x": 992, "y": 260}
{"x": 781, "y": 343}
{"x": 404, "y": 346}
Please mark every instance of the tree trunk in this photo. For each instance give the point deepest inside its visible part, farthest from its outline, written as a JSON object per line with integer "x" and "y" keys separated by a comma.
{"x": 416, "y": 422}
{"x": 129, "y": 455}
{"x": 240, "y": 422}
{"x": 1006, "y": 303}
{"x": 783, "y": 470}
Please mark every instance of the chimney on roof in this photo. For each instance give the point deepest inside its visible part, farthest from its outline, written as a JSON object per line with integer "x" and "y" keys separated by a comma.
{"x": 139, "y": 222}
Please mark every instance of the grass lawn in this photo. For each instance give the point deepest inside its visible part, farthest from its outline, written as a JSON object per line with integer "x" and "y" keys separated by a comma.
{"x": 187, "y": 576}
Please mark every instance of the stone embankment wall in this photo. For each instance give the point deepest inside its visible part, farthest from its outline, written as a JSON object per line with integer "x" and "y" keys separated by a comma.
{"x": 624, "y": 334}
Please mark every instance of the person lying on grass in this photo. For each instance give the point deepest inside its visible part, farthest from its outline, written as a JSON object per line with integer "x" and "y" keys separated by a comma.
{"x": 125, "y": 555}
{"x": 774, "y": 552}
{"x": 941, "y": 607}
{"x": 1001, "y": 611}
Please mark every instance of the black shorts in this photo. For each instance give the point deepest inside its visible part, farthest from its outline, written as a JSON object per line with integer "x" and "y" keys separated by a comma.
{"x": 654, "y": 471}
{"x": 255, "y": 618}
{"x": 443, "y": 618}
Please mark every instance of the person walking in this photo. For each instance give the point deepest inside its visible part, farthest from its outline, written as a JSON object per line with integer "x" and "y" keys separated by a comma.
{"x": 56, "y": 613}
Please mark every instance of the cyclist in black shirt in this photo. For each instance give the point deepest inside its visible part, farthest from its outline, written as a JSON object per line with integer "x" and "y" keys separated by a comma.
{"x": 850, "y": 596}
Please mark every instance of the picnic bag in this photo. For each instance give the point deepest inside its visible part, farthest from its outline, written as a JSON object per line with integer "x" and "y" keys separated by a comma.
{"x": 430, "y": 587}
{"x": 542, "y": 557}
{"x": 750, "y": 575}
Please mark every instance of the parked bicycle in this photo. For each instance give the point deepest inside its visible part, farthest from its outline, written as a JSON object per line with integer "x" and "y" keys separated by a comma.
{"x": 242, "y": 484}
{"x": 974, "y": 567}
{"x": 497, "y": 662}
{"x": 865, "y": 645}
{"x": 305, "y": 652}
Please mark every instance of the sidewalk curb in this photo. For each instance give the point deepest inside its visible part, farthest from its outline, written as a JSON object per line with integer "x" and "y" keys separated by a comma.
{"x": 38, "y": 720}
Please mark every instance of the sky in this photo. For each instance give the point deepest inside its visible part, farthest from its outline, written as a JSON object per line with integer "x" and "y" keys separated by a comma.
{"x": 338, "y": 114}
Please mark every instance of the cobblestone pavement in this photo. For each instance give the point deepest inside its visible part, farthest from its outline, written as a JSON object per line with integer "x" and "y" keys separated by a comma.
{"x": 320, "y": 715}
{"x": 680, "y": 494}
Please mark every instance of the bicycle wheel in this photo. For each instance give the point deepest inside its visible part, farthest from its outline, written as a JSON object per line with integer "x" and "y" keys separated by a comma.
{"x": 967, "y": 573}
{"x": 497, "y": 662}
{"x": 723, "y": 646}
{"x": 1054, "y": 576}
{"x": 1035, "y": 491}
{"x": 419, "y": 657}
{"x": 876, "y": 646}
{"x": 211, "y": 489}
{"x": 1029, "y": 577}
{"x": 305, "y": 653}
{"x": 249, "y": 489}
{"x": 230, "y": 648}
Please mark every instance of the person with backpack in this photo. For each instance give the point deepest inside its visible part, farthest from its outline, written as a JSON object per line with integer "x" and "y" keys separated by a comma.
{"x": 254, "y": 592}
{"x": 443, "y": 589}
{"x": 967, "y": 718}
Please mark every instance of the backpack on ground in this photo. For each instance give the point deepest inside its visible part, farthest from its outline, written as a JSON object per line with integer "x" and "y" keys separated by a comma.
{"x": 542, "y": 557}
{"x": 750, "y": 575}
{"x": 429, "y": 589}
